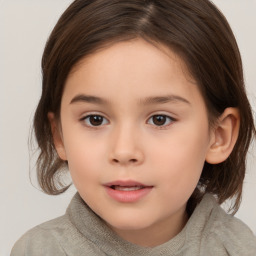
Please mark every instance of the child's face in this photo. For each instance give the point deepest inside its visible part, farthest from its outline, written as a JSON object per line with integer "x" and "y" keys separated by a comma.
{"x": 132, "y": 116}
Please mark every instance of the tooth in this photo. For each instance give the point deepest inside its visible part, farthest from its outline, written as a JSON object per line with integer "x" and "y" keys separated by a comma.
{"x": 127, "y": 188}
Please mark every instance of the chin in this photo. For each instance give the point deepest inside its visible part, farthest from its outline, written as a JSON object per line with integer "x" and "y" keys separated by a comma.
{"x": 130, "y": 224}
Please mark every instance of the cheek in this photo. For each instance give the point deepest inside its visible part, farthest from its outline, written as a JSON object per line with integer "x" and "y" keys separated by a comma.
{"x": 182, "y": 158}
{"x": 181, "y": 171}
{"x": 85, "y": 157}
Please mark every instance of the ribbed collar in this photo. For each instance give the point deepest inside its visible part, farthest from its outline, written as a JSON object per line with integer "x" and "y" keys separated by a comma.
{"x": 92, "y": 229}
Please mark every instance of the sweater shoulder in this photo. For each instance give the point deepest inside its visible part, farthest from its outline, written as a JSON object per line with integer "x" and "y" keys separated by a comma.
{"x": 229, "y": 234}
{"x": 55, "y": 237}
{"x": 34, "y": 241}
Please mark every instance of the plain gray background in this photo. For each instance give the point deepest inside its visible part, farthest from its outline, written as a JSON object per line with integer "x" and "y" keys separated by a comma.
{"x": 25, "y": 26}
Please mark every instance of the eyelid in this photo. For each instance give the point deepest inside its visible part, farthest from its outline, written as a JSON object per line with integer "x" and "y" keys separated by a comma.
{"x": 92, "y": 113}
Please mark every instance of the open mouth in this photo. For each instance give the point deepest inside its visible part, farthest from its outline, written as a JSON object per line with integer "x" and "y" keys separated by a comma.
{"x": 126, "y": 188}
{"x": 127, "y": 191}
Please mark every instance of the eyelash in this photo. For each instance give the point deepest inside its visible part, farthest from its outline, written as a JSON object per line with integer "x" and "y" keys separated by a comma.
{"x": 88, "y": 123}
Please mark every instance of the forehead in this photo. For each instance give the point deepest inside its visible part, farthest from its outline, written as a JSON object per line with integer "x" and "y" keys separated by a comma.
{"x": 129, "y": 67}
{"x": 110, "y": 53}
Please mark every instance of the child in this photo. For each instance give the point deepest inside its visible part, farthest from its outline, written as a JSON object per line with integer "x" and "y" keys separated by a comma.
{"x": 144, "y": 102}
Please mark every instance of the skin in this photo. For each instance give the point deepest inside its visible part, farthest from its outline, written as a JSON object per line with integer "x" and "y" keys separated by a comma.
{"x": 129, "y": 145}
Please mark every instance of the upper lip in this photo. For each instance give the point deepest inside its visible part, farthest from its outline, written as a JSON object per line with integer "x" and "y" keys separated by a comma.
{"x": 126, "y": 183}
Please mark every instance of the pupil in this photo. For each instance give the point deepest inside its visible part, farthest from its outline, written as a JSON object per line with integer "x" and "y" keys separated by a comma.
{"x": 96, "y": 120}
{"x": 159, "y": 120}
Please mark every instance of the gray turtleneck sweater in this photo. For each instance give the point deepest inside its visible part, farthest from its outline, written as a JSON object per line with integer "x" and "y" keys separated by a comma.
{"x": 209, "y": 231}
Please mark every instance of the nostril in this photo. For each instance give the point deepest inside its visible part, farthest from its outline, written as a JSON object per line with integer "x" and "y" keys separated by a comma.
{"x": 133, "y": 160}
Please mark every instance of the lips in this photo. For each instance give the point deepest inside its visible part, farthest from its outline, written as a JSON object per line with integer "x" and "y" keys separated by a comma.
{"x": 127, "y": 191}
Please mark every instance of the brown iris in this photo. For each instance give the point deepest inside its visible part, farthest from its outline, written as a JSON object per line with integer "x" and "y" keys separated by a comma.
{"x": 96, "y": 120}
{"x": 159, "y": 120}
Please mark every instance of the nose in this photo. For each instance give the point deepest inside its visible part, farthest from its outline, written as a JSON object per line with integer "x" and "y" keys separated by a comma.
{"x": 126, "y": 147}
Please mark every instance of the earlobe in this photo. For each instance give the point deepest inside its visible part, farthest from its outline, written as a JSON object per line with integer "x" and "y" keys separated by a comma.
{"x": 224, "y": 136}
{"x": 57, "y": 136}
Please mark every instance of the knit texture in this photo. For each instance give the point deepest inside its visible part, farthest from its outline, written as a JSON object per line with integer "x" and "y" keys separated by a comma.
{"x": 210, "y": 231}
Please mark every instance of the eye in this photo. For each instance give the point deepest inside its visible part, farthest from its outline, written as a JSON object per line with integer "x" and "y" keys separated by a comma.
{"x": 160, "y": 120}
{"x": 94, "y": 120}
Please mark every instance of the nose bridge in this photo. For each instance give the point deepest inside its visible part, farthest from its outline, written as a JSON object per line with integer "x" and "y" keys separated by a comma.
{"x": 126, "y": 147}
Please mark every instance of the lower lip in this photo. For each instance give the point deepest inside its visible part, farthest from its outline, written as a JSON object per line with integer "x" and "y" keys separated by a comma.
{"x": 128, "y": 196}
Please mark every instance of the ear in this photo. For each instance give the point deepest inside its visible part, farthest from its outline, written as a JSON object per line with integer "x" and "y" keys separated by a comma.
{"x": 223, "y": 136}
{"x": 57, "y": 136}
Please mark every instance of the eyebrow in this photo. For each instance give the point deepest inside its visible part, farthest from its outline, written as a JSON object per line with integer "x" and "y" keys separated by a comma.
{"x": 163, "y": 99}
{"x": 146, "y": 101}
{"x": 89, "y": 99}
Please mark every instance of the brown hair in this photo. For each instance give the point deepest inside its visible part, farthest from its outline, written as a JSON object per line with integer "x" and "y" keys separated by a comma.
{"x": 195, "y": 29}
